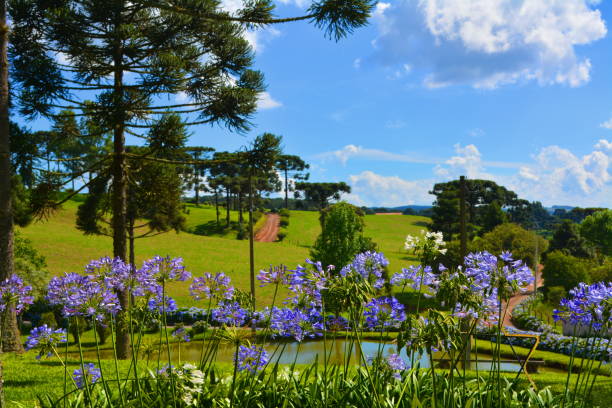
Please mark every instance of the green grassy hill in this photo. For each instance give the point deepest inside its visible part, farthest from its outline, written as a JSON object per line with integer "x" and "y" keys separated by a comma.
{"x": 68, "y": 250}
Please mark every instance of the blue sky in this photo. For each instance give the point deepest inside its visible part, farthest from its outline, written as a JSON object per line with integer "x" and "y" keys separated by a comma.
{"x": 517, "y": 91}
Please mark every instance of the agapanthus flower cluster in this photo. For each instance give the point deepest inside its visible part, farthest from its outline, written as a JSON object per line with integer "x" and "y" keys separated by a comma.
{"x": 88, "y": 375}
{"x": 384, "y": 313}
{"x": 275, "y": 275}
{"x": 157, "y": 305}
{"x": 392, "y": 363}
{"x": 296, "y": 323}
{"x": 46, "y": 339}
{"x": 114, "y": 272}
{"x": 306, "y": 285}
{"x": 181, "y": 334}
{"x": 337, "y": 323}
{"x": 13, "y": 291}
{"x": 230, "y": 314}
{"x": 82, "y": 296}
{"x": 589, "y": 305}
{"x": 370, "y": 266}
{"x": 488, "y": 272}
{"x": 429, "y": 241}
{"x": 209, "y": 286}
{"x": 417, "y": 277}
{"x": 166, "y": 269}
{"x": 251, "y": 359}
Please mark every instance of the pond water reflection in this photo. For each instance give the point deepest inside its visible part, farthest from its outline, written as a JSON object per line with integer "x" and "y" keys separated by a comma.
{"x": 308, "y": 352}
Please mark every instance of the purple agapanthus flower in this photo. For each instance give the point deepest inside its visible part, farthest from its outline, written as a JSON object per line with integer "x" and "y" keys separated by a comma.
{"x": 296, "y": 323}
{"x": 115, "y": 273}
{"x": 384, "y": 313}
{"x": 45, "y": 339}
{"x": 181, "y": 334}
{"x": 370, "y": 265}
{"x": 156, "y": 305}
{"x": 275, "y": 275}
{"x": 89, "y": 375}
{"x": 166, "y": 269}
{"x": 418, "y": 278}
{"x": 306, "y": 285}
{"x": 13, "y": 291}
{"x": 337, "y": 323}
{"x": 589, "y": 305}
{"x": 82, "y": 296}
{"x": 393, "y": 363}
{"x": 230, "y": 314}
{"x": 487, "y": 272}
{"x": 251, "y": 359}
{"x": 209, "y": 286}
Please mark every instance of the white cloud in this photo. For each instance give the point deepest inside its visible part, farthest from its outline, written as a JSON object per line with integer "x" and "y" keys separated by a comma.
{"x": 607, "y": 124}
{"x": 371, "y": 189}
{"x": 467, "y": 162}
{"x": 554, "y": 176}
{"x": 266, "y": 101}
{"x": 488, "y": 43}
{"x": 558, "y": 176}
{"x": 604, "y": 145}
{"x": 352, "y": 151}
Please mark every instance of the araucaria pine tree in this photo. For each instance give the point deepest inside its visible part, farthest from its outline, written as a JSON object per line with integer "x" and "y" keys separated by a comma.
{"x": 121, "y": 62}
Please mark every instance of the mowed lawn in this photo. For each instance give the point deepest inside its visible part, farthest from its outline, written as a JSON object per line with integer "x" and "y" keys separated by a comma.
{"x": 68, "y": 250}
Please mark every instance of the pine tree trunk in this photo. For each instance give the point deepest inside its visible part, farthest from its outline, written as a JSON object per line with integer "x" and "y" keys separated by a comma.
{"x": 119, "y": 195}
{"x": 217, "y": 205}
{"x": 286, "y": 189}
{"x": 227, "y": 205}
{"x": 10, "y": 329}
{"x": 240, "y": 209}
{"x": 132, "y": 250}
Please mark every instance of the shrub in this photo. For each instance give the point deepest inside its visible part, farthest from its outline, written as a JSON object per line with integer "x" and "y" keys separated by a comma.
{"x": 284, "y": 222}
{"x": 555, "y": 294}
{"x": 564, "y": 270}
{"x": 282, "y": 234}
{"x": 283, "y": 212}
{"x": 47, "y": 318}
{"x": 199, "y": 327}
{"x": 513, "y": 238}
{"x": 341, "y": 235}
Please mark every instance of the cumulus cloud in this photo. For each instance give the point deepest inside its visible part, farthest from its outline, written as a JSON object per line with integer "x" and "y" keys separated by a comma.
{"x": 607, "y": 124}
{"x": 559, "y": 176}
{"x": 488, "y": 43}
{"x": 371, "y": 189}
{"x": 266, "y": 101}
{"x": 554, "y": 176}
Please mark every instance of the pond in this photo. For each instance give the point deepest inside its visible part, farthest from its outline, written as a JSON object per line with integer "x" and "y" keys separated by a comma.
{"x": 308, "y": 352}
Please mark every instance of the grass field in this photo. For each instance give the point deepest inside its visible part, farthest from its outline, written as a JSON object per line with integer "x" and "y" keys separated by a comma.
{"x": 68, "y": 250}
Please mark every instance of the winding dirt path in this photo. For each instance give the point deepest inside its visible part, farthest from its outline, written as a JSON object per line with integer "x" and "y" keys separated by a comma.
{"x": 269, "y": 231}
{"x": 515, "y": 300}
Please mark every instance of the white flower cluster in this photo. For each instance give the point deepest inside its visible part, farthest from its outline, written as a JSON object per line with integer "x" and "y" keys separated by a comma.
{"x": 429, "y": 241}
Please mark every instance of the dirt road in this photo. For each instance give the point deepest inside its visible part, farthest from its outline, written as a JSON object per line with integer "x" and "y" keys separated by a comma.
{"x": 269, "y": 231}
{"x": 515, "y": 300}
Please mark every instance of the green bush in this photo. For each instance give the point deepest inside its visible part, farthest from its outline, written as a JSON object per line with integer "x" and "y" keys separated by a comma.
{"x": 48, "y": 318}
{"x": 341, "y": 235}
{"x": 199, "y": 327}
{"x": 284, "y": 222}
{"x": 564, "y": 270}
{"x": 555, "y": 294}
{"x": 282, "y": 234}
{"x": 601, "y": 273}
{"x": 513, "y": 238}
{"x": 283, "y": 212}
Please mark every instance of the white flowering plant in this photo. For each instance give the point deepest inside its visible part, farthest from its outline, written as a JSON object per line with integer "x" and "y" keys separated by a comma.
{"x": 427, "y": 246}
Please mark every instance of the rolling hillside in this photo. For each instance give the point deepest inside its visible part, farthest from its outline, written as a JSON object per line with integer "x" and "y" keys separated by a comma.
{"x": 68, "y": 250}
